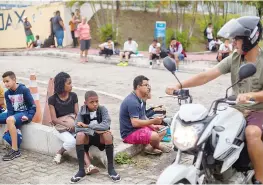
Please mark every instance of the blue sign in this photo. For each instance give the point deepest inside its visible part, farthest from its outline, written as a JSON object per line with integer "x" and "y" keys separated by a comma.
{"x": 159, "y": 31}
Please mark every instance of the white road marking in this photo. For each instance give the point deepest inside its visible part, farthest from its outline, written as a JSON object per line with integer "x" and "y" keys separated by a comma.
{"x": 79, "y": 88}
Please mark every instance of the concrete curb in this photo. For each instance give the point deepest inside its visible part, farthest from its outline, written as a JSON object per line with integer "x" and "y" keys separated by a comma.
{"x": 186, "y": 66}
{"x": 40, "y": 138}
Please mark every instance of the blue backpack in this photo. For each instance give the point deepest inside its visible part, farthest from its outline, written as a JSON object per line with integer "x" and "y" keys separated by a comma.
{"x": 7, "y": 138}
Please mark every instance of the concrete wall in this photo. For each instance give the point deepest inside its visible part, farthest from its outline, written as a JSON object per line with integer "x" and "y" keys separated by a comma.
{"x": 12, "y": 34}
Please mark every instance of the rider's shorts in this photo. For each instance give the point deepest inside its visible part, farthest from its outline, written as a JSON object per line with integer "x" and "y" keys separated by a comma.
{"x": 255, "y": 118}
{"x": 140, "y": 136}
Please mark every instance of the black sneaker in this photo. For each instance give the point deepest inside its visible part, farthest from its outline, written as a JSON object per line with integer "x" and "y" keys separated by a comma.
{"x": 78, "y": 177}
{"x": 11, "y": 155}
{"x": 114, "y": 176}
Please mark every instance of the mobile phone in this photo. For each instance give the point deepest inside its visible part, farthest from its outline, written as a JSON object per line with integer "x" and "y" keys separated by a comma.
{"x": 162, "y": 129}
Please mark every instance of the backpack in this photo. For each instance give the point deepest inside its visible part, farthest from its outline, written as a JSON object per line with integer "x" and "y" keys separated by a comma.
{"x": 205, "y": 33}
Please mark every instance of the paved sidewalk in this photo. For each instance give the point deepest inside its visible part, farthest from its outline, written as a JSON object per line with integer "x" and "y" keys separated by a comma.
{"x": 34, "y": 168}
{"x": 191, "y": 56}
{"x": 193, "y": 64}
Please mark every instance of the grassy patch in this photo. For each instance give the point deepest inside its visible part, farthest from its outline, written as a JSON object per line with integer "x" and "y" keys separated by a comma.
{"x": 123, "y": 158}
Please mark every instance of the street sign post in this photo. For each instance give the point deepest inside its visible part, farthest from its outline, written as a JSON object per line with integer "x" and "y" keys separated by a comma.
{"x": 159, "y": 31}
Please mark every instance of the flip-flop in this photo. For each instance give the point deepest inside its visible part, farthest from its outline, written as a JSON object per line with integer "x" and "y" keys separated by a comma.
{"x": 166, "y": 138}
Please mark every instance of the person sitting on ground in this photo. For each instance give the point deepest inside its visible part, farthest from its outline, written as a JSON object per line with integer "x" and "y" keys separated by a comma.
{"x": 21, "y": 109}
{"x": 63, "y": 106}
{"x": 2, "y": 100}
{"x": 135, "y": 128}
{"x": 176, "y": 52}
{"x": 154, "y": 52}
{"x": 37, "y": 43}
{"x": 224, "y": 50}
{"x": 107, "y": 48}
{"x": 214, "y": 44}
{"x": 93, "y": 128}
{"x": 130, "y": 47}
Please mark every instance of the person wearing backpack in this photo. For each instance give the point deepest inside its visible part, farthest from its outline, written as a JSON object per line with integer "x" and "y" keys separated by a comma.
{"x": 208, "y": 33}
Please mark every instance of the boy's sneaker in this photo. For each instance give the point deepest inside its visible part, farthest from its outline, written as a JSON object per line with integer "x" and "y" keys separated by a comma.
{"x": 125, "y": 64}
{"x": 11, "y": 155}
{"x": 78, "y": 177}
{"x": 120, "y": 64}
{"x": 151, "y": 67}
{"x": 115, "y": 177}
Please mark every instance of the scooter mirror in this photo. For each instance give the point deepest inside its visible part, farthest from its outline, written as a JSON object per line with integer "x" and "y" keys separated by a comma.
{"x": 246, "y": 71}
{"x": 169, "y": 64}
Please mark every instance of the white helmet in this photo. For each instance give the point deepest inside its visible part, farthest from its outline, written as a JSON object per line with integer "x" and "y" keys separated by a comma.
{"x": 247, "y": 27}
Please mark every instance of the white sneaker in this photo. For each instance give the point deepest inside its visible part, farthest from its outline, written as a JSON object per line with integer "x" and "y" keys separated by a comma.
{"x": 151, "y": 67}
{"x": 57, "y": 158}
{"x": 158, "y": 62}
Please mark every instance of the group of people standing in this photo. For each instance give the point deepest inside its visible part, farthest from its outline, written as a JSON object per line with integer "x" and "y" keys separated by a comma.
{"x": 80, "y": 32}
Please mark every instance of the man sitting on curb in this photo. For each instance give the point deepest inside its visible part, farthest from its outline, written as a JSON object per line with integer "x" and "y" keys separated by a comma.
{"x": 154, "y": 52}
{"x": 107, "y": 48}
{"x": 21, "y": 108}
{"x": 93, "y": 128}
{"x": 130, "y": 47}
{"x": 176, "y": 52}
{"x": 135, "y": 128}
{"x": 224, "y": 51}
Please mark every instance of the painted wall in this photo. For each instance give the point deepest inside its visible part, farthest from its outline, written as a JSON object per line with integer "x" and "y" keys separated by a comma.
{"x": 12, "y": 34}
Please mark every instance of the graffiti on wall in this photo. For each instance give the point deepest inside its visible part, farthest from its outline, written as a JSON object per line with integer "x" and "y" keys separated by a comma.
{"x": 5, "y": 22}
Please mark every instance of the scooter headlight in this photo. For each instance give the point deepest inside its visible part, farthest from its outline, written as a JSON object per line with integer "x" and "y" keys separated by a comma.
{"x": 185, "y": 137}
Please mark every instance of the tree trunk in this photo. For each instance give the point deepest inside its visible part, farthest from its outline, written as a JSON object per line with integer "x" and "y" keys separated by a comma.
{"x": 204, "y": 12}
{"x": 95, "y": 13}
{"x": 103, "y": 13}
{"x": 259, "y": 12}
{"x": 159, "y": 11}
{"x": 226, "y": 12}
{"x": 112, "y": 16}
{"x": 107, "y": 12}
{"x": 145, "y": 6}
{"x": 191, "y": 30}
{"x": 118, "y": 6}
{"x": 177, "y": 15}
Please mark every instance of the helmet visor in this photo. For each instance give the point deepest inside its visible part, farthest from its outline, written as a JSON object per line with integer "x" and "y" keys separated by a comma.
{"x": 232, "y": 29}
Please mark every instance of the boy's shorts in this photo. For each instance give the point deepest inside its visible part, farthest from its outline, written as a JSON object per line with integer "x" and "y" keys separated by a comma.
{"x": 140, "y": 136}
{"x": 18, "y": 117}
{"x": 30, "y": 38}
{"x": 94, "y": 141}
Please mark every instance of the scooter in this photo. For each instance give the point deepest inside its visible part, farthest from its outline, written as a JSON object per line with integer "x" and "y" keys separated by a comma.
{"x": 214, "y": 137}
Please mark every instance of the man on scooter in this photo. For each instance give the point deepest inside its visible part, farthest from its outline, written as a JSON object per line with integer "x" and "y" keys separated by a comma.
{"x": 246, "y": 33}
